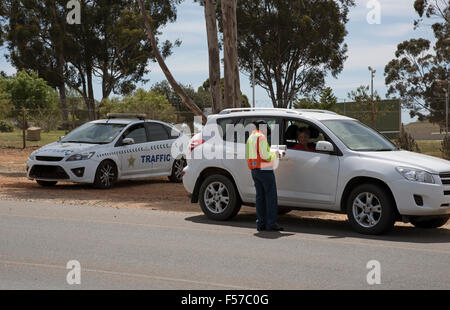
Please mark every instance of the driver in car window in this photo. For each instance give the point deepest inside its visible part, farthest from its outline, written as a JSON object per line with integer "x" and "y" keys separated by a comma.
{"x": 303, "y": 135}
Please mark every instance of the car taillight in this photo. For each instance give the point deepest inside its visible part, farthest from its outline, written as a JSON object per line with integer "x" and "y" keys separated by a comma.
{"x": 195, "y": 143}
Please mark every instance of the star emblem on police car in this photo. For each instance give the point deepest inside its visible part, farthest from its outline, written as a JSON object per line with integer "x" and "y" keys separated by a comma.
{"x": 131, "y": 161}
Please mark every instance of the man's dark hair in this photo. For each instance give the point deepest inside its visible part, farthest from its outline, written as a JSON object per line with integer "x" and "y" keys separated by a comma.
{"x": 304, "y": 129}
{"x": 258, "y": 123}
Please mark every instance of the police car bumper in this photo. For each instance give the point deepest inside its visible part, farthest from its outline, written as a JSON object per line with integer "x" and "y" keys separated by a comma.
{"x": 82, "y": 171}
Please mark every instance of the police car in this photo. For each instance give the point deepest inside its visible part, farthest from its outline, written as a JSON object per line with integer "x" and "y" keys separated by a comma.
{"x": 124, "y": 146}
{"x": 346, "y": 168}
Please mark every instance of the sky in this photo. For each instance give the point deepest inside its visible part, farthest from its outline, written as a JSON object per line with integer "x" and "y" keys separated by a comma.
{"x": 369, "y": 44}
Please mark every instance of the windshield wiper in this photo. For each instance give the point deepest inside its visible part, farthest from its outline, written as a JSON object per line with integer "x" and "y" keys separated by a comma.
{"x": 87, "y": 142}
{"x": 384, "y": 150}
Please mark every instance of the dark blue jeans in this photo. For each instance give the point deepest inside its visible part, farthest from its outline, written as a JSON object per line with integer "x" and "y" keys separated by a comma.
{"x": 266, "y": 198}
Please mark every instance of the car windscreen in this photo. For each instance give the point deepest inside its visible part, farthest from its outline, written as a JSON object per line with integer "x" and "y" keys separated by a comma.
{"x": 359, "y": 137}
{"x": 94, "y": 133}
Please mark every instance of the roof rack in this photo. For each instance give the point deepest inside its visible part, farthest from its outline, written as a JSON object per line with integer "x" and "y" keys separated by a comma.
{"x": 140, "y": 116}
{"x": 227, "y": 111}
{"x": 316, "y": 111}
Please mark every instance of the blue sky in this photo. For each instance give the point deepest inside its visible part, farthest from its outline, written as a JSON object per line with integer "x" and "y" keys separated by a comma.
{"x": 368, "y": 45}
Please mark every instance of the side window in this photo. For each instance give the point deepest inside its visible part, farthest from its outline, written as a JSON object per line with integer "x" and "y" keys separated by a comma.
{"x": 157, "y": 132}
{"x": 227, "y": 136}
{"x": 137, "y": 133}
{"x": 273, "y": 134}
{"x": 301, "y": 136}
{"x": 172, "y": 135}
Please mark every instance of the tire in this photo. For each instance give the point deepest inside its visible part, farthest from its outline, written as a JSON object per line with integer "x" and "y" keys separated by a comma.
{"x": 106, "y": 175}
{"x": 177, "y": 170}
{"x": 282, "y": 211}
{"x": 211, "y": 205}
{"x": 46, "y": 183}
{"x": 371, "y": 210}
{"x": 430, "y": 223}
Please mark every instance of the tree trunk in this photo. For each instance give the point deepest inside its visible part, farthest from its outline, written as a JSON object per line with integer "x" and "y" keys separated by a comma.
{"x": 176, "y": 87}
{"x": 62, "y": 97}
{"x": 231, "y": 69}
{"x": 214, "y": 56}
{"x": 237, "y": 84}
{"x": 91, "y": 100}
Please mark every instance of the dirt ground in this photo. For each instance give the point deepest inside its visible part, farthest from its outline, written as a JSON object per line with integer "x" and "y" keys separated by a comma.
{"x": 156, "y": 193}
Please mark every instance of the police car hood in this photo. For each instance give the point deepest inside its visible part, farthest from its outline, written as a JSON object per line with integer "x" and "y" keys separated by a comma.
{"x": 64, "y": 149}
{"x": 413, "y": 160}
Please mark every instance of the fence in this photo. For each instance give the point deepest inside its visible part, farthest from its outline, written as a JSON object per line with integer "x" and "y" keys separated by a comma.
{"x": 388, "y": 115}
{"x": 53, "y": 126}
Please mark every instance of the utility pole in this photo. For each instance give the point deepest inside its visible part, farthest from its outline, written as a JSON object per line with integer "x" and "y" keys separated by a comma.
{"x": 372, "y": 75}
{"x": 253, "y": 82}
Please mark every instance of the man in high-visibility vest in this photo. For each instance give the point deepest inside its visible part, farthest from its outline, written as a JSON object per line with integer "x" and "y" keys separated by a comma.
{"x": 260, "y": 161}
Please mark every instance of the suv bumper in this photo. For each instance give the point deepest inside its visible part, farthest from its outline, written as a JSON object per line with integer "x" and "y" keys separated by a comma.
{"x": 431, "y": 198}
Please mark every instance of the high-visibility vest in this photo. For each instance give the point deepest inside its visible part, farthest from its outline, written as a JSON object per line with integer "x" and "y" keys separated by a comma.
{"x": 258, "y": 151}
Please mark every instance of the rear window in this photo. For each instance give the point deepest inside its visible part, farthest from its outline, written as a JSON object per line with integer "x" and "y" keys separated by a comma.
{"x": 222, "y": 124}
{"x": 157, "y": 132}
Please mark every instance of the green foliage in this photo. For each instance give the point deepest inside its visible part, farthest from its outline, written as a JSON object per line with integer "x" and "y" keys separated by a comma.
{"x": 327, "y": 101}
{"x": 414, "y": 76}
{"x": 201, "y": 97}
{"x": 418, "y": 76}
{"x": 439, "y": 13}
{"x": 295, "y": 44}
{"x": 26, "y": 90}
{"x": 155, "y": 105}
{"x": 445, "y": 147}
{"x": 110, "y": 43}
{"x": 5, "y": 106}
{"x": 406, "y": 141}
{"x": 6, "y": 126}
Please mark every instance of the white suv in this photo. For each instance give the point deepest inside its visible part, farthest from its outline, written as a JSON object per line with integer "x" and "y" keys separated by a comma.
{"x": 348, "y": 168}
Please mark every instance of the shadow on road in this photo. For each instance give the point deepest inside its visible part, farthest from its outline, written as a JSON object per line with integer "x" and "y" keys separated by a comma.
{"x": 334, "y": 229}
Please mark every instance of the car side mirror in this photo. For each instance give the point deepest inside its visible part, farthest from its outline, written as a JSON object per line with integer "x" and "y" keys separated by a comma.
{"x": 60, "y": 138}
{"x": 128, "y": 141}
{"x": 324, "y": 146}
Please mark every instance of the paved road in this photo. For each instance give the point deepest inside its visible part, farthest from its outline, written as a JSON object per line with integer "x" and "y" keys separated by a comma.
{"x": 145, "y": 249}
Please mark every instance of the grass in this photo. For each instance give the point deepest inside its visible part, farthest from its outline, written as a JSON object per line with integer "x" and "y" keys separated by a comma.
{"x": 14, "y": 139}
{"x": 430, "y": 147}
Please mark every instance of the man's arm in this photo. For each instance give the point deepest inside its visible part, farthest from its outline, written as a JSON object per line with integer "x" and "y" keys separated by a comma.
{"x": 264, "y": 150}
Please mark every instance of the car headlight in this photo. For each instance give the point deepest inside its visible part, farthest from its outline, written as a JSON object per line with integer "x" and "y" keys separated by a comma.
{"x": 81, "y": 156}
{"x": 32, "y": 156}
{"x": 415, "y": 175}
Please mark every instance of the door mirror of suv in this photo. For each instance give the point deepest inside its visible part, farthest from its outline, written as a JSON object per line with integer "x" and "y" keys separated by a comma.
{"x": 324, "y": 146}
{"x": 128, "y": 141}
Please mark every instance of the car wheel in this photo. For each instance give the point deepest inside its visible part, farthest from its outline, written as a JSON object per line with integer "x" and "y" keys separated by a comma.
{"x": 430, "y": 223}
{"x": 282, "y": 211}
{"x": 177, "y": 170}
{"x": 219, "y": 198}
{"x": 370, "y": 210}
{"x": 46, "y": 183}
{"x": 106, "y": 175}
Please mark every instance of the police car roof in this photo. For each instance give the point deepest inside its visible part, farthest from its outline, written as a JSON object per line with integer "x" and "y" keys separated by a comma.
{"x": 125, "y": 121}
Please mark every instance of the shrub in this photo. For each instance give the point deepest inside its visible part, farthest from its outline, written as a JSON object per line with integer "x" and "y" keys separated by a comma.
{"x": 406, "y": 141}
{"x": 47, "y": 119}
{"x": 6, "y": 126}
